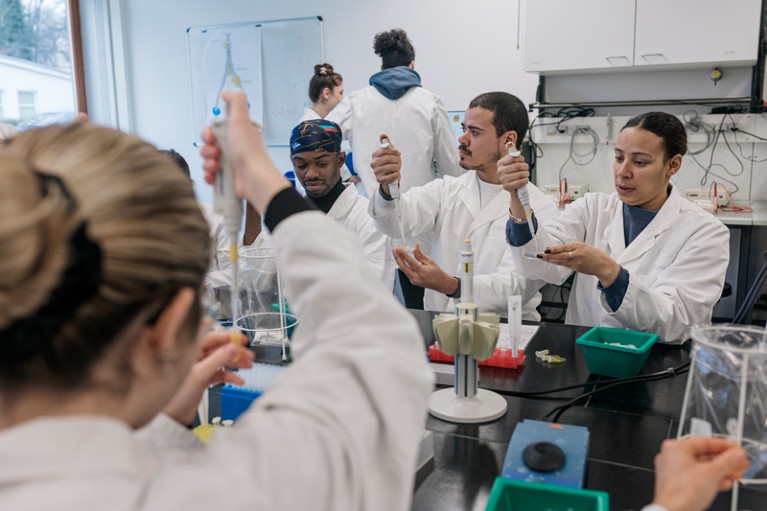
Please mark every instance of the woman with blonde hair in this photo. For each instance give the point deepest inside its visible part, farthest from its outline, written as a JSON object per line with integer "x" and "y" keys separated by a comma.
{"x": 103, "y": 250}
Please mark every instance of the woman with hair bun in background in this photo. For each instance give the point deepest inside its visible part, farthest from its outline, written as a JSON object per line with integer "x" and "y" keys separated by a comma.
{"x": 326, "y": 90}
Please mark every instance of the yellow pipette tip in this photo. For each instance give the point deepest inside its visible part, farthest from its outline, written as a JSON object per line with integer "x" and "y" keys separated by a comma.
{"x": 235, "y": 337}
{"x": 233, "y": 255}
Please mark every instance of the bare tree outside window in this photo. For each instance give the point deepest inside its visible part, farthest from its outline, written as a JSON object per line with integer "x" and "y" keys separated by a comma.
{"x": 36, "y": 62}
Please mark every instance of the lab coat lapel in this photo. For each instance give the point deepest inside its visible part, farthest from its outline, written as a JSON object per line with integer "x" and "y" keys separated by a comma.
{"x": 613, "y": 233}
{"x": 343, "y": 204}
{"x": 496, "y": 208}
{"x": 470, "y": 195}
{"x": 661, "y": 223}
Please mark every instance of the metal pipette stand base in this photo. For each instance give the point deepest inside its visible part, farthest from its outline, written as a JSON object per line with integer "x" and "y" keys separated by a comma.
{"x": 464, "y": 336}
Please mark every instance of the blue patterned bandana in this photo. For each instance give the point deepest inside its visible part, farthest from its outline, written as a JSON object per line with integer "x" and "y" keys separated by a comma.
{"x": 315, "y": 135}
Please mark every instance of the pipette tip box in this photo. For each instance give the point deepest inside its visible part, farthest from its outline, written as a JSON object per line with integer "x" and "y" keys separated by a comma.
{"x": 235, "y": 399}
{"x": 501, "y": 357}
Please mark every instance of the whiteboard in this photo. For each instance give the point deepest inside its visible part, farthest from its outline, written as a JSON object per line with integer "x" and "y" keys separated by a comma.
{"x": 273, "y": 62}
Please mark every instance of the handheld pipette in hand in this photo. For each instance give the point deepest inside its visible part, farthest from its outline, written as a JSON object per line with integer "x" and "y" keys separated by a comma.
{"x": 394, "y": 193}
{"x": 524, "y": 198}
{"x": 226, "y": 204}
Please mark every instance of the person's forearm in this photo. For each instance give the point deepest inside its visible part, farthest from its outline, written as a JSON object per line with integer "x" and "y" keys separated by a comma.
{"x": 252, "y": 225}
{"x": 264, "y": 181}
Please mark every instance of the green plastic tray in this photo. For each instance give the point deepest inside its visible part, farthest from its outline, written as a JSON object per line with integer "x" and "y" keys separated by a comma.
{"x": 607, "y": 359}
{"x": 513, "y": 495}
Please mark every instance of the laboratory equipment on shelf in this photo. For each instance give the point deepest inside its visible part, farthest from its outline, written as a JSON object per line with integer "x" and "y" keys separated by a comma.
{"x": 470, "y": 336}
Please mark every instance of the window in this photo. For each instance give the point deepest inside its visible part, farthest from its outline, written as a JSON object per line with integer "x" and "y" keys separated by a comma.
{"x": 40, "y": 62}
{"x": 26, "y": 104}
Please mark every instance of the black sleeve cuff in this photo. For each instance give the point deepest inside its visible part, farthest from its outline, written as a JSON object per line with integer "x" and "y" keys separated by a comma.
{"x": 286, "y": 203}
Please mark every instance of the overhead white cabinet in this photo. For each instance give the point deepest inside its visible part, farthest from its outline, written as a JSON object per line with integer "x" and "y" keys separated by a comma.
{"x": 571, "y": 35}
{"x": 696, "y": 32}
{"x": 567, "y": 36}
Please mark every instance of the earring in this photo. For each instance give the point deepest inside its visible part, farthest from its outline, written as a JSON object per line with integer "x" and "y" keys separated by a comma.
{"x": 167, "y": 362}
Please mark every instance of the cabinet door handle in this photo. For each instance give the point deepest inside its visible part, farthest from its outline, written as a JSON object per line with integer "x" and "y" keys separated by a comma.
{"x": 661, "y": 55}
{"x": 614, "y": 57}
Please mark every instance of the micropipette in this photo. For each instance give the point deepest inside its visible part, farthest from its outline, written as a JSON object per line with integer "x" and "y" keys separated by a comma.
{"x": 524, "y": 198}
{"x": 226, "y": 204}
{"x": 394, "y": 193}
{"x": 515, "y": 323}
{"x": 467, "y": 272}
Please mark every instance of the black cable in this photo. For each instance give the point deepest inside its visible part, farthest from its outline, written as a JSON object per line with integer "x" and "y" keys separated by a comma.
{"x": 660, "y": 375}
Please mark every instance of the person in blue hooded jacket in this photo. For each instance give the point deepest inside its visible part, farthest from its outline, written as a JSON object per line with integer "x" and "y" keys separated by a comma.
{"x": 414, "y": 119}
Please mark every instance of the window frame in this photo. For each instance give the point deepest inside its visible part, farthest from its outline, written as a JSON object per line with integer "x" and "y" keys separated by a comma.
{"x": 81, "y": 97}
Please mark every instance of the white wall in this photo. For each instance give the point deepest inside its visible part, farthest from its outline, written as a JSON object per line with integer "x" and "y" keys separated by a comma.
{"x": 462, "y": 50}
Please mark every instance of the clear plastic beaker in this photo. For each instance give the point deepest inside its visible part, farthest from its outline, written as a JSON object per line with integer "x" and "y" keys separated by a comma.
{"x": 267, "y": 327}
{"x": 261, "y": 311}
{"x": 726, "y": 393}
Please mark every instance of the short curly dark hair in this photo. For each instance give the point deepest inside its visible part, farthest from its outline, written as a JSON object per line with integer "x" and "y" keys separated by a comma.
{"x": 394, "y": 48}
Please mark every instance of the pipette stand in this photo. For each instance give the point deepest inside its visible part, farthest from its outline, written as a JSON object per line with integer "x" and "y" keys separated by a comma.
{"x": 470, "y": 337}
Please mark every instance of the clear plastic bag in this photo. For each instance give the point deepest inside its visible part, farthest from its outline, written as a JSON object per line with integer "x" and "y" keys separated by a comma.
{"x": 726, "y": 392}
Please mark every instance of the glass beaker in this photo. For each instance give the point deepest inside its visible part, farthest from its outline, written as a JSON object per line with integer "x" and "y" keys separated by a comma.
{"x": 261, "y": 310}
{"x": 726, "y": 393}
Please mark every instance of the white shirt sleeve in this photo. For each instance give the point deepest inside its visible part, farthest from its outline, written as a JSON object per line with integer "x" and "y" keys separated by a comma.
{"x": 654, "y": 507}
{"x": 346, "y": 418}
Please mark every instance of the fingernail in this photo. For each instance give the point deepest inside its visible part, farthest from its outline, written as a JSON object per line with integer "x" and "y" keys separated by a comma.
{"x": 539, "y": 256}
{"x": 547, "y": 251}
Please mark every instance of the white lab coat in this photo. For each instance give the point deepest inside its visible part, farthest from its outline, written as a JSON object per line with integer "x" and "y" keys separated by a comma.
{"x": 350, "y": 210}
{"x": 417, "y": 125}
{"x": 338, "y": 430}
{"x": 676, "y": 265}
{"x": 449, "y": 210}
{"x": 219, "y": 272}
{"x": 309, "y": 115}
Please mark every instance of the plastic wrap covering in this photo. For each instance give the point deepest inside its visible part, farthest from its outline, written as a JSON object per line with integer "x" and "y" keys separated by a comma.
{"x": 726, "y": 392}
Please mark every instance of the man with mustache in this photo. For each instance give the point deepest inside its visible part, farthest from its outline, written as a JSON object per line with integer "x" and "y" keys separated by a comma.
{"x": 472, "y": 206}
{"x": 315, "y": 151}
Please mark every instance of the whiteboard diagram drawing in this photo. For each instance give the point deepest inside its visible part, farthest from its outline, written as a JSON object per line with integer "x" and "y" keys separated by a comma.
{"x": 237, "y": 51}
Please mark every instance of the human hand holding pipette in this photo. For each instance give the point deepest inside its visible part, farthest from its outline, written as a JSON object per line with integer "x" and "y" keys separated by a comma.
{"x": 256, "y": 179}
{"x": 514, "y": 174}
{"x": 386, "y": 164}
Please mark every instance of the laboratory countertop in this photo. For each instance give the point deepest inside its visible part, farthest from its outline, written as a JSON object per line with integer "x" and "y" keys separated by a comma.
{"x": 756, "y": 217}
{"x": 627, "y": 425}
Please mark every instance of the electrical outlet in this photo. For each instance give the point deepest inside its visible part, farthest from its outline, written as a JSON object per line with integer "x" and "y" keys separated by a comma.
{"x": 696, "y": 194}
{"x": 576, "y": 191}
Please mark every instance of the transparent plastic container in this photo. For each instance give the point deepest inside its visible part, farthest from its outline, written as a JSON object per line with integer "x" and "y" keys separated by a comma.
{"x": 726, "y": 393}
{"x": 262, "y": 312}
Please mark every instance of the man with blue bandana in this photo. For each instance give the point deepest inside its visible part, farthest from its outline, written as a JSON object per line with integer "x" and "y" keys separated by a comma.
{"x": 315, "y": 151}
